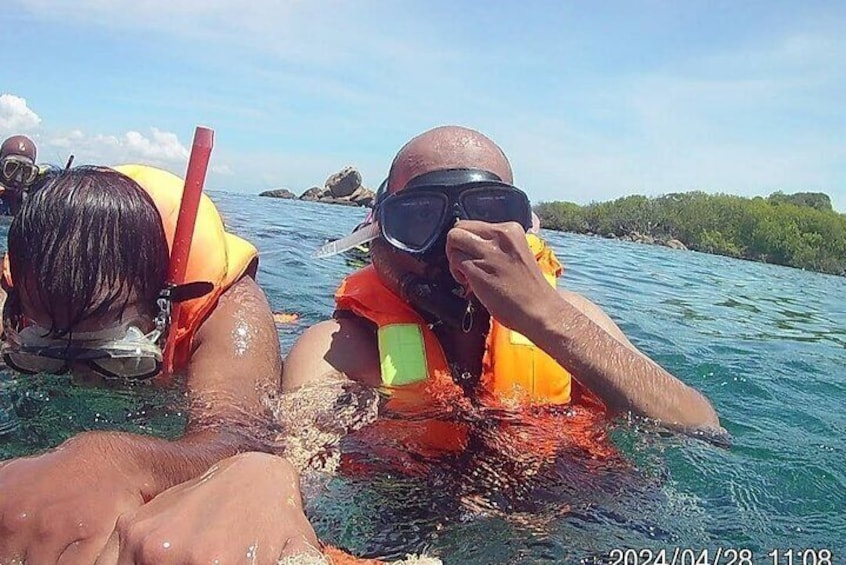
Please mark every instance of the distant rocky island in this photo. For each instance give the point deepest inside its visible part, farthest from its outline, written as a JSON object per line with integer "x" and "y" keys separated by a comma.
{"x": 343, "y": 187}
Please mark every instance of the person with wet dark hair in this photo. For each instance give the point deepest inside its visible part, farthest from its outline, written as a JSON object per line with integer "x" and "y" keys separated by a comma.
{"x": 45, "y": 241}
{"x": 86, "y": 279}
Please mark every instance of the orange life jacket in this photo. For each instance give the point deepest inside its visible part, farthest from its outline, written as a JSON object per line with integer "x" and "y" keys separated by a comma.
{"x": 515, "y": 372}
{"x": 513, "y": 368}
{"x": 216, "y": 256}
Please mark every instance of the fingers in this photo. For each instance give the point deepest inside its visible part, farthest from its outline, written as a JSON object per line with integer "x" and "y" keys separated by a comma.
{"x": 84, "y": 551}
{"x": 28, "y": 536}
{"x": 467, "y": 271}
{"x": 478, "y": 237}
{"x": 92, "y": 547}
{"x": 465, "y": 247}
{"x": 491, "y": 231}
{"x": 483, "y": 242}
{"x": 46, "y": 551}
{"x": 481, "y": 228}
{"x": 462, "y": 243}
{"x": 457, "y": 259}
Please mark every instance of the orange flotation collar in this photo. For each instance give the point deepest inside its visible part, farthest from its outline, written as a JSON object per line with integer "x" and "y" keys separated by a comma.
{"x": 514, "y": 370}
{"x": 517, "y": 376}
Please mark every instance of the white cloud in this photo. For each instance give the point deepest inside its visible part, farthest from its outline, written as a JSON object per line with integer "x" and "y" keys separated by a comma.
{"x": 68, "y": 140}
{"x": 16, "y": 116}
{"x": 224, "y": 170}
{"x": 161, "y": 148}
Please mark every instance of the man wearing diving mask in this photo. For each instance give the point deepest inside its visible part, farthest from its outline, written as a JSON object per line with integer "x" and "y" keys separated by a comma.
{"x": 88, "y": 294}
{"x": 450, "y": 243}
{"x": 18, "y": 171}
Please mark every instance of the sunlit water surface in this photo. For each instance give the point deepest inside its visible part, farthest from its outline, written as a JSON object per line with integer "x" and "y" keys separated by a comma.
{"x": 766, "y": 344}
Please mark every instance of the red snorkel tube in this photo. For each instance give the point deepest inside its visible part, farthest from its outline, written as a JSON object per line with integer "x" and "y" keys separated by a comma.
{"x": 198, "y": 164}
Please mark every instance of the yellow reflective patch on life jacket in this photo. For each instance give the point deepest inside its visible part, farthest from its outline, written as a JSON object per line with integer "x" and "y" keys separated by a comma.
{"x": 402, "y": 354}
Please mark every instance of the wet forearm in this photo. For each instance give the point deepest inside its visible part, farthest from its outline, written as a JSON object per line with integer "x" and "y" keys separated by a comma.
{"x": 624, "y": 379}
{"x": 165, "y": 463}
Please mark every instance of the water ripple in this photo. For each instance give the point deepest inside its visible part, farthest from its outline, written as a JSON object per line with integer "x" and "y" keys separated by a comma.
{"x": 766, "y": 344}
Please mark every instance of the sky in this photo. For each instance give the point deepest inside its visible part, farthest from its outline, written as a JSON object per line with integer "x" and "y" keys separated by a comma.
{"x": 590, "y": 100}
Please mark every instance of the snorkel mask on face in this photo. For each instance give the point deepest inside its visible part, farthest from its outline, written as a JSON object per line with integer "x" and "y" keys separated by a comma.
{"x": 121, "y": 352}
{"x": 17, "y": 172}
{"x": 129, "y": 354}
{"x": 416, "y": 219}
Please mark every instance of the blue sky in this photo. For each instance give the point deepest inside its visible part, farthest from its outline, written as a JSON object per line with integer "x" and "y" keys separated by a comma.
{"x": 591, "y": 101}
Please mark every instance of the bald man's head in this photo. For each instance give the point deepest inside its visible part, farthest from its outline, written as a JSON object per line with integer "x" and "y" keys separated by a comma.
{"x": 447, "y": 147}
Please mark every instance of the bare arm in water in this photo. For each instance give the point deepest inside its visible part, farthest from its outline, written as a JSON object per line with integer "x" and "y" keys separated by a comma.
{"x": 75, "y": 493}
{"x": 494, "y": 262}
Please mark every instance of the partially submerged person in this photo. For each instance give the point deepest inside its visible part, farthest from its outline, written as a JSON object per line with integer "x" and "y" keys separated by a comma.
{"x": 459, "y": 310}
{"x": 459, "y": 319}
{"x": 88, "y": 294}
{"x": 18, "y": 171}
{"x": 457, "y": 291}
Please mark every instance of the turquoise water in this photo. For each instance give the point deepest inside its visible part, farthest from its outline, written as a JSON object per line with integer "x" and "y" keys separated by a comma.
{"x": 766, "y": 344}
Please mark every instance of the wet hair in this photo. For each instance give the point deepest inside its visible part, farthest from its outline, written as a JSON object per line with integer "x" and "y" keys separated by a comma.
{"x": 84, "y": 243}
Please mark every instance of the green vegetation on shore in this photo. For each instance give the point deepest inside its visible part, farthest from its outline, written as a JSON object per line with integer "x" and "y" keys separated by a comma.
{"x": 798, "y": 230}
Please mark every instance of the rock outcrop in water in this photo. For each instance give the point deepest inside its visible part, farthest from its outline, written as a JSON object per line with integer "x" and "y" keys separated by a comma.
{"x": 648, "y": 239}
{"x": 343, "y": 187}
{"x": 279, "y": 193}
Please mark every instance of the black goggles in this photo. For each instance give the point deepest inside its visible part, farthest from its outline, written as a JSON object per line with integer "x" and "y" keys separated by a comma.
{"x": 415, "y": 218}
{"x": 18, "y": 171}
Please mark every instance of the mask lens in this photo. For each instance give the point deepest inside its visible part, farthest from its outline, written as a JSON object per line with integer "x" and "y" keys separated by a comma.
{"x": 127, "y": 367}
{"x": 133, "y": 355}
{"x": 496, "y": 205}
{"x": 19, "y": 171}
{"x": 413, "y": 221}
{"x": 9, "y": 169}
{"x": 34, "y": 364}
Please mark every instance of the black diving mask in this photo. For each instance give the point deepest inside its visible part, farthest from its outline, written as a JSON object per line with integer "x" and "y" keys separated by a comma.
{"x": 417, "y": 217}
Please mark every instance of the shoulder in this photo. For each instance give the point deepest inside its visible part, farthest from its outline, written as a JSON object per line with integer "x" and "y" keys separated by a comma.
{"x": 243, "y": 303}
{"x": 347, "y": 346}
{"x": 244, "y": 295}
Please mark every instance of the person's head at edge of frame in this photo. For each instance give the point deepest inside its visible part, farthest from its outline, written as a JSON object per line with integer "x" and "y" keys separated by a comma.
{"x": 440, "y": 176}
{"x": 88, "y": 259}
{"x": 18, "y": 168}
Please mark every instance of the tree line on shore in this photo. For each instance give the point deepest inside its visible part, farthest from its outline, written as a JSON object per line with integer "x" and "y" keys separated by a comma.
{"x": 797, "y": 230}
